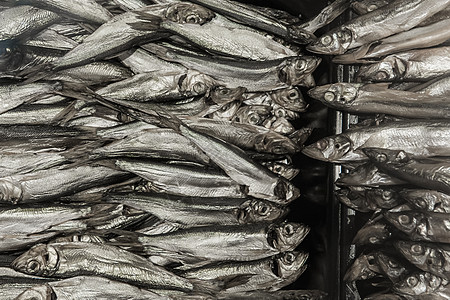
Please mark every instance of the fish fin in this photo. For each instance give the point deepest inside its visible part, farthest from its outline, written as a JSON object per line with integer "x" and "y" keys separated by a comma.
{"x": 147, "y": 22}
{"x": 400, "y": 66}
{"x": 36, "y": 73}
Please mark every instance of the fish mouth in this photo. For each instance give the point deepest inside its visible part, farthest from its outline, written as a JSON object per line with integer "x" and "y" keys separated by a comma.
{"x": 313, "y": 152}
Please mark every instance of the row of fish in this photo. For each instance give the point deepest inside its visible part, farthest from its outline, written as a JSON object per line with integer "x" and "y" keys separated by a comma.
{"x": 146, "y": 149}
{"x": 394, "y": 161}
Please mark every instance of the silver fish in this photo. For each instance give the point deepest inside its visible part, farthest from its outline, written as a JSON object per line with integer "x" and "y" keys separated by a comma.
{"x": 278, "y": 295}
{"x": 421, "y": 226}
{"x": 159, "y": 86}
{"x": 423, "y": 285}
{"x": 235, "y": 163}
{"x": 191, "y": 212}
{"x": 88, "y": 287}
{"x": 83, "y": 10}
{"x": 285, "y": 170}
{"x": 19, "y": 22}
{"x": 414, "y": 65}
{"x": 221, "y": 243}
{"x": 386, "y": 296}
{"x": 433, "y": 258}
{"x": 236, "y": 40}
{"x": 279, "y": 124}
{"x": 416, "y": 38}
{"x": 436, "y": 87}
{"x": 289, "y": 98}
{"x": 50, "y": 39}
{"x": 268, "y": 274}
{"x": 364, "y": 267}
{"x": 367, "y": 175}
{"x": 427, "y": 173}
{"x": 62, "y": 260}
{"x": 365, "y": 6}
{"x": 427, "y": 200}
{"x": 392, "y": 18}
{"x": 354, "y": 199}
{"x": 252, "y": 114}
{"x": 373, "y": 232}
{"x": 141, "y": 61}
{"x": 326, "y": 16}
{"x": 184, "y": 181}
{"x": 391, "y": 267}
{"x": 402, "y": 135}
{"x": 377, "y": 98}
{"x": 13, "y": 95}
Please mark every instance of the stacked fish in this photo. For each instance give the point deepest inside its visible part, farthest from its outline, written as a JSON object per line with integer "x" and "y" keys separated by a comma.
{"x": 397, "y": 163}
{"x": 145, "y": 149}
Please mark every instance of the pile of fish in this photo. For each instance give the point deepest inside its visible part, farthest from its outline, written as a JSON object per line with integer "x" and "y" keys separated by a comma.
{"x": 395, "y": 160}
{"x": 145, "y": 149}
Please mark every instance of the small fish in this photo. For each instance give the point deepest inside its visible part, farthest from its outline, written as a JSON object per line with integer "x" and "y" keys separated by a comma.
{"x": 427, "y": 200}
{"x": 325, "y": 17}
{"x": 354, "y": 200}
{"x": 88, "y": 287}
{"x": 427, "y": 173}
{"x": 422, "y": 285}
{"x": 252, "y": 114}
{"x": 62, "y": 260}
{"x": 392, "y": 267}
{"x": 392, "y": 18}
{"x": 364, "y": 267}
{"x": 367, "y": 175}
{"x": 402, "y": 135}
{"x": 413, "y": 65}
{"x": 421, "y": 226}
{"x": 285, "y": 170}
{"x": 141, "y": 61}
{"x": 433, "y": 258}
{"x": 373, "y": 232}
{"x": 362, "y": 7}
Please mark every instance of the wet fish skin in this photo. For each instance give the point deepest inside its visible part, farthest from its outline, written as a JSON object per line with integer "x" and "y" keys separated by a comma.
{"x": 22, "y": 21}
{"x": 392, "y": 18}
{"x": 364, "y": 267}
{"x": 414, "y": 65}
{"x": 277, "y": 295}
{"x": 252, "y": 114}
{"x": 422, "y": 283}
{"x": 13, "y": 95}
{"x": 427, "y": 173}
{"x": 372, "y": 233}
{"x": 191, "y": 212}
{"x": 285, "y": 170}
{"x": 367, "y": 175}
{"x": 386, "y": 296}
{"x": 50, "y": 39}
{"x": 325, "y": 17}
{"x": 141, "y": 61}
{"x": 427, "y": 200}
{"x": 433, "y": 258}
{"x": 377, "y": 98}
{"x": 435, "y": 87}
{"x": 354, "y": 200}
{"x": 365, "y": 6}
{"x": 392, "y": 267}
{"x": 62, "y": 260}
{"x": 421, "y": 226}
{"x": 402, "y": 135}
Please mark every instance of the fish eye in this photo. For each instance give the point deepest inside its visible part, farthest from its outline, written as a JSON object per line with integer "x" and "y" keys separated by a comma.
{"x": 401, "y": 156}
{"x": 293, "y": 94}
{"x": 288, "y": 229}
{"x": 417, "y": 249}
{"x": 387, "y": 195}
{"x": 412, "y": 281}
{"x": 326, "y": 40}
{"x": 392, "y": 264}
{"x": 300, "y": 64}
{"x": 33, "y": 266}
{"x": 254, "y": 119}
{"x": 404, "y": 219}
{"x": 224, "y": 91}
{"x": 199, "y": 87}
{"x": 192, "y": 19}
{"x": 280, "y": 113}
{"x": 381, "y": 75}
{"x": 263, "y": 210}
{"x": 422, "y": 203}
{"x": 381, "y": 157}
{"x": 289, "y": 257}
{"x": 277, "y": 169}
{"x": 371, "y": 7}
{"x": 329, "y": 96}
{"x": 337, "y": 146}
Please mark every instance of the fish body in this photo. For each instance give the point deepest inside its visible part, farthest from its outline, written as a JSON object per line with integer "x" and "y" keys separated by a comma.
{"x": 184, "y": 181}
{"x": 365, "y": 6}
{"x": 414, "y": 65}
{"x": 364, "y": 267}
{"x": 374, "y": 98}
{"x": 421, "y": 226}
{"x": 367, "y": 175}
{"x": 13, "y": 95}
{"x": 391, "y": 267}
{"x": 387, "y": 20}
{"x": 433, "y": 258}
{"x": 190, "y": 212}
{"x": 420, "y": 138}
{"x": 277, "y": 295}
{"x": 62, "y": 260}
{"x": 427, "y": 173}
{"x": 437, "y": 87}
{"x": 52, "y": 40}
{"x": 20, "y": 22}
{"x": 423, "y": 285}
{"x": 141, "y": 61}
{"x": 89, "y": 287}
{"x": 427, "y": 200}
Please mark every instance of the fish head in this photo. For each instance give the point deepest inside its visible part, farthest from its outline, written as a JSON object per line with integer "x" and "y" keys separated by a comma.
{"x": 386, "y": 155}
{"x": 272, "y": 142}
{"x": 299, "y": 35}
{"x": 296, "y": 68}
{"x": 419, "y": 200}
{"x": 183, "y": 12}
{"x": 287, "y": 235}
{"x": 425, "y": 257}
{"x": 286, "y": 171}
{"x": 330, "y": 149}
{"x": 419, "y": 283}
{"x": 390, "y": 266}
{"x": 10, "y": 191}
{"x": 10, "y": 56}
{"x": 195, "y": 83}
{"x": 290, "y": 98}
{"x": 375, "y": 233}
{"x": 365, "y": 6}
{"x": 334, "y": 42}
{"x": 227, "y": 111}
{"x": 406, "y": 221}
{"x": 339, "y": 95}
{"x": 285, "y": 191}
{"x": 353, "y": 200}
{"x": 387, "y": 70}
{"x": 221, "y": 94}
{"x": 40, "y": 260}
{"x": 252, "y": 114}
{"x": 383, "y": 198}
{"x": 289, "y": 263}
{"x": 40, "y": 292}
{"x": 253, "y": 211}
{"x": 364, "y": 267}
